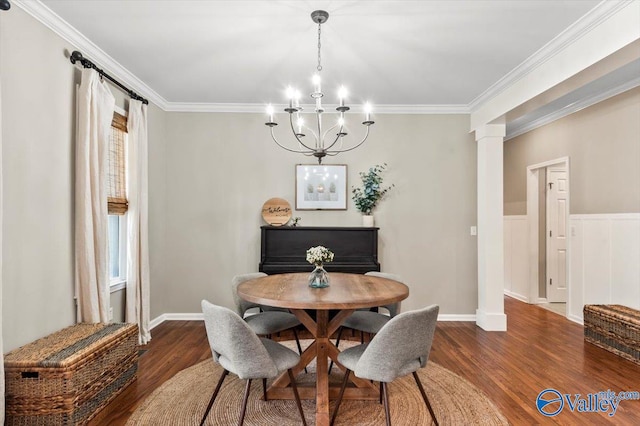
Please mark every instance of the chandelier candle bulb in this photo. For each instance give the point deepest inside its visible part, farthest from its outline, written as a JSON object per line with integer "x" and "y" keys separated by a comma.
{"x": 367, "y": 112}
{"x": 317, "y": 83}
{"x": 342, "y": 93}
{"x": 297, "y": 96}
{"x": 270, "y": 113}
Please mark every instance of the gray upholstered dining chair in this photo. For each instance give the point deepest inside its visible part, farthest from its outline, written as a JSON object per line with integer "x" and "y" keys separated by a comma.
{"x": 238, "y": 350}
{"x": 401, "y": 347}
{"x": 366, "y": 320}
{"x": 269, "y": 320}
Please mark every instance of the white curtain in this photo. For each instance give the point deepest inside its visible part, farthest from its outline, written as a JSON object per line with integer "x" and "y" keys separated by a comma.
{"x": 137, "y": 297}
{"x": 1, "y": 350}
{"x": 95, "y": 112}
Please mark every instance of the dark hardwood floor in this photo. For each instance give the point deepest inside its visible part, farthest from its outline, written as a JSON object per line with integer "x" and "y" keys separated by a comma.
{"x": 540, "y": 350}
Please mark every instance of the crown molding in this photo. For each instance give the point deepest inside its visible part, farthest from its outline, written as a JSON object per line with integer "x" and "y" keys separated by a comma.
{"x": 577, "y": 30}
{"x": 260, "y": 108}
{"x": 62, "y": 28}
{"x": 571, "y": 108}
{"x": 67, "y": 32}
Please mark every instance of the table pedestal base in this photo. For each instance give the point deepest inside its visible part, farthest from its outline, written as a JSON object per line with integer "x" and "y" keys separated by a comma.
{"x": 322, "y": 349}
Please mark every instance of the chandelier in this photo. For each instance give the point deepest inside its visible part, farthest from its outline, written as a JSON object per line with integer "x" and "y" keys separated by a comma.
{"x": 324, "y": 142}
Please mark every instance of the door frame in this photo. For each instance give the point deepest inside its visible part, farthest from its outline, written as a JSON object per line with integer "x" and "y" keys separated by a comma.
{"x": 533, "y": 177}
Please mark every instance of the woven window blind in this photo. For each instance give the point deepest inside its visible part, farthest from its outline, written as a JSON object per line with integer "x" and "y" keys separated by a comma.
{"x": 116, "y": 180}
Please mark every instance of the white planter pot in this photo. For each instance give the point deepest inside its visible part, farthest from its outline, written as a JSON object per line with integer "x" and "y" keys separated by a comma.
{"x": 367, "y": 220}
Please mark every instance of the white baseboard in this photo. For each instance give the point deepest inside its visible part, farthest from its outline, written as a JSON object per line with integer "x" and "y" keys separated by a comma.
{"x": 575, "y": 318}
{"x": 491, "y": 321}
{"x": 456, "y": 317}
{"x": 175, "y": 317}
{"x": 198, "y": 317}
{"x": 517, "y": 296}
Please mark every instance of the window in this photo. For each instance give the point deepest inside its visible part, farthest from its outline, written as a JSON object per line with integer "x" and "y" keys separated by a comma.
{"x": 117, "y": 251}
{"x": 117, "y": 202}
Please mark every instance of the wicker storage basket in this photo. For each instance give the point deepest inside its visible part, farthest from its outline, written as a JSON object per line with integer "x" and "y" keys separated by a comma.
{"x": 67, "y": 377}
{"x": 615, "y": 328}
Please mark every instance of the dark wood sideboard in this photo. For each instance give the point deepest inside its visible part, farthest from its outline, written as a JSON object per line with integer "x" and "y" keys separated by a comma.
{"x": 284, "y": 249}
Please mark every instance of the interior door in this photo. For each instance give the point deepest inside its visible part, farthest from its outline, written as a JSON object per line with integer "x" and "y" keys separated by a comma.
{"x": 557, "y": 193}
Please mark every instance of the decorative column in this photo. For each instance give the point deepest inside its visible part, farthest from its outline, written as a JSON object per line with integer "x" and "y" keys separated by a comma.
{"x": 490, "y": 314}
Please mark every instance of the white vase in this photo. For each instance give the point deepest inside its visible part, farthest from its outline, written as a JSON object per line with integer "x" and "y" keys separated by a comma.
{"x": 367, "y": 220}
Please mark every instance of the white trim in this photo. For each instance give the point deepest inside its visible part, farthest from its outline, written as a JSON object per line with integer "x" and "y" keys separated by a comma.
{"x": 199, "y": 317}
{"x": 157, "y": 321}
{"x": 548, "y": 163}
{"x": 456, "y": 317}
{"x": 117, "y": 286}
{"x": 516, "y": 296}
{"x": 67, "y": 32}
{"x": 121, "y": 111}
{"x": 260, "y": 108}
{"x": 575, "y": 319}
{"x": 176, "y": 317}
{"x": 533, "y": 219}
{"x": 572, "y": 108}
{"x": 577, "y": 30}
{"x": 491, "y": 321}
{"x": 62, "y": 28}
{"x": 606, "y": 216}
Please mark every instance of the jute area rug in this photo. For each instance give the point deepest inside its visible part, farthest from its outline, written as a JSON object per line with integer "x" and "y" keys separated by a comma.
{"x": 183, "y": 399}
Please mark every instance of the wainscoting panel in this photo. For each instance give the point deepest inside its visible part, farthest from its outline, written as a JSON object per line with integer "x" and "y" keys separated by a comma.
{"x": 605, "y": 261}
{"x": 516, "y": 257}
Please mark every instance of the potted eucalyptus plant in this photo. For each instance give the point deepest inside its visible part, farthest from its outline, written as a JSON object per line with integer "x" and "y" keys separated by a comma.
{"x": 367, "y": 197}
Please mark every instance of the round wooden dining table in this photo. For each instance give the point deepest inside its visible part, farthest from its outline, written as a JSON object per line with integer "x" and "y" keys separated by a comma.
{"x": 346, "y": 293}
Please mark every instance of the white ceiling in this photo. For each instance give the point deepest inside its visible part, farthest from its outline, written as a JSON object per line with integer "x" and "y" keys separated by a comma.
{"x": 387, "y": 52}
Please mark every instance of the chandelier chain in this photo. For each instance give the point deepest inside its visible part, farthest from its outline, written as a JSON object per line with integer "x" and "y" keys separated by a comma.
{"x": 319, "y": 46}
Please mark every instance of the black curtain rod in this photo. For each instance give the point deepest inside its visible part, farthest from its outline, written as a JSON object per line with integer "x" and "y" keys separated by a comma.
{"x": 77, "y": 56}
{"x": 5, "y": 5}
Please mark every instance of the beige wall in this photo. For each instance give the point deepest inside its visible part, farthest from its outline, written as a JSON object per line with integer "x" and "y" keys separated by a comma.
{"x": 223, "y": 167}
{"x": 603, "y": 144}
{"x": 38, "y": 142}
{"x": 208, "y": 177}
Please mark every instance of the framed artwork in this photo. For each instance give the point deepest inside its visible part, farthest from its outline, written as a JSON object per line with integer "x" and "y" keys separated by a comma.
{"x": 321, "y": 186}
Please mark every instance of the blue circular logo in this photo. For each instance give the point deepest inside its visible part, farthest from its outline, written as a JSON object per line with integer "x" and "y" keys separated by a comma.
{"x": 549, "y": 402}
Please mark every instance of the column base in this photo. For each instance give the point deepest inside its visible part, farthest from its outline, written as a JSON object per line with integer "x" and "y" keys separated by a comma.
{"x": 490, "y": 321}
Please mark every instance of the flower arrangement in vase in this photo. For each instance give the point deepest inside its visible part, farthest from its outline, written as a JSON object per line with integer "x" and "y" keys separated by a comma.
{"x": 372, "y": 191}
{"x": 318, "y": 256}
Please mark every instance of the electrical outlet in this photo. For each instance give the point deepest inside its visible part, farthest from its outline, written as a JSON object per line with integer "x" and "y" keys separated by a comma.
{"x": 110, "y": 314}
{"x": 474, "y": 230}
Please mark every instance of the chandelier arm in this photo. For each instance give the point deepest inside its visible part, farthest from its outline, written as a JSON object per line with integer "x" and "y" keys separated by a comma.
{"x": 284, "y": 147}
{"x": 295, "y": 134}
{"x": 355, "y": 146}
{"x": 338, "y": 136}
{"x": 327, "y": 132}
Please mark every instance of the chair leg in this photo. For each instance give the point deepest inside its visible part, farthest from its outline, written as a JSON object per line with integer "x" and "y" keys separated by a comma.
{"x": 385, "y": 392}
{"x": 424, "y": 396}
{"x": 294, "y": 386}
{"x": 361, "y": 337}
{"x": 380, "y": 392}
{"x": 213, "y": 397}
{"x": 337, "y": 345}
{"x": 244, "y": 402}
{"x": 295, "y": 334}
{"x": 264, "y": 389}
{"x": 339, "y": 401}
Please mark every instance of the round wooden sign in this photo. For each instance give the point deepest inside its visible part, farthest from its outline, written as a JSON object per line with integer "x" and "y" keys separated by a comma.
{"x": 276, "y": 211}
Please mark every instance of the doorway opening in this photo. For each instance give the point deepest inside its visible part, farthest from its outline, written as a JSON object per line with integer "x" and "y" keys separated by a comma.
{"x": 548, "y": 219}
